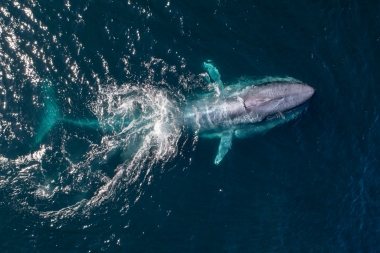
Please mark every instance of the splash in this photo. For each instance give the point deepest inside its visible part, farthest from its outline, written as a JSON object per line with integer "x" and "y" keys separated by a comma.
{"x": 140, "y": 131}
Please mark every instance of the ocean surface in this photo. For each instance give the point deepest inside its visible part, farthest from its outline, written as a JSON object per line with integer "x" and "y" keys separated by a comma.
{"x": 93, "y": 157}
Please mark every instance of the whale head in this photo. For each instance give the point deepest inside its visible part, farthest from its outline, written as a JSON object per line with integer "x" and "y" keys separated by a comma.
{"x": 277, "y": 98}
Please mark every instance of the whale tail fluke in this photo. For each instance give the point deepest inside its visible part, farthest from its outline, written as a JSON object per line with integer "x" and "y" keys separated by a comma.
{"x": 51, "y": 112}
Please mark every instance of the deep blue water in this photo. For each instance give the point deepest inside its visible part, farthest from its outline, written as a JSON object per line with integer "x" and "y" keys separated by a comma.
{"x": 311, "y": 185}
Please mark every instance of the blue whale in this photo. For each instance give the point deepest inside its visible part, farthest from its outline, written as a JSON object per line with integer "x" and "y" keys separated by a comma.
{"x": 236, "y": 111}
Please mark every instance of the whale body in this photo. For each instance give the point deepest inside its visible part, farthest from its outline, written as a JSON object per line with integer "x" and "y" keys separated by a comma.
{"x": 242, "y": 111}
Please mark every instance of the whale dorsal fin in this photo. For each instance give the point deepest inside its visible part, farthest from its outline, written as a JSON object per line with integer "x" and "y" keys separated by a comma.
{"x": 224, "y": 146}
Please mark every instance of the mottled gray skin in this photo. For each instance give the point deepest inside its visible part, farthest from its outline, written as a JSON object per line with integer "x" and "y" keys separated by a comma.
{"x": 248, "y": 105}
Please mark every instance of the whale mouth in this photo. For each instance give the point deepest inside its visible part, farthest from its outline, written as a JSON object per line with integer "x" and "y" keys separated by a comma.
{"x": 288, "y": 113}
{"x": 296, "y": 100}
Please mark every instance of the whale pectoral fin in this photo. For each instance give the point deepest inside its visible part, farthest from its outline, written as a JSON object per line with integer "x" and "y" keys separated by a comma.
{"x": 224, "y": 146}
{"x": 206, "y": 77}
{"x": 215, "y": 76}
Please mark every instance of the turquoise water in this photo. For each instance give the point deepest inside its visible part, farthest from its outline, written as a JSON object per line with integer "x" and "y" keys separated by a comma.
{"x": 127, "y": 176}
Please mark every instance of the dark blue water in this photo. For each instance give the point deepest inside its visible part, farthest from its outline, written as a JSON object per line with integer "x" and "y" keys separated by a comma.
{"x": 311, "y": 185}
